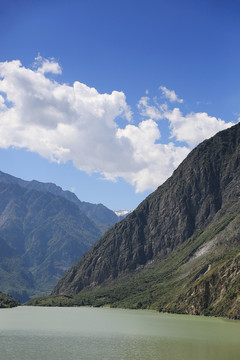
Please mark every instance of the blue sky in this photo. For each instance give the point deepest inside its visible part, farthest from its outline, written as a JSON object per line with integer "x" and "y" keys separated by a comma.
{"x": 106, "y": 98}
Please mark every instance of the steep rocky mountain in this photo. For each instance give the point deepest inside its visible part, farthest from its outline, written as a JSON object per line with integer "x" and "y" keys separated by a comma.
{"x": 103, "y": 217}
{"x": 179, "y": 250}
{"x": 41, "y": 236}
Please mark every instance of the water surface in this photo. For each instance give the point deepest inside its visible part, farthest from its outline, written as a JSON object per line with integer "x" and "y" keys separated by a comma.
{"x": 36, "y": 333}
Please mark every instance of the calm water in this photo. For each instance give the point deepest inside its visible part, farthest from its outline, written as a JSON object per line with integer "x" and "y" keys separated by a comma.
{"x": 34, "y": 333}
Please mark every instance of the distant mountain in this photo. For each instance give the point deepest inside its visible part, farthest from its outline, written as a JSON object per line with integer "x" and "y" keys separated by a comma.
{"x": 100, "y": 215}
{"x": 122, "y": 213}
{"x": 41, "y": 236}
{"x": 15, "y": 278}
{"x": 103, "y": 217}
{"x": 179, "y": 251}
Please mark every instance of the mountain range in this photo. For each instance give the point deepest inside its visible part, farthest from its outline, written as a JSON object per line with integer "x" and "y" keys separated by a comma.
{"x": 43, "y": 232}
{"x": 179, "y": 251}
{"x": 103, "y": 217}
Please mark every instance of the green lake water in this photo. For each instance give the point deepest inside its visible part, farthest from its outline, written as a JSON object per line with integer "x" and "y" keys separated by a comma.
{"x": 35, "y": 333}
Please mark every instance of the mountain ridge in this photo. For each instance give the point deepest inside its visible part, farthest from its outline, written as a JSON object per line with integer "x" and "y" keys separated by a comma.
{"x": 103, "y": 217}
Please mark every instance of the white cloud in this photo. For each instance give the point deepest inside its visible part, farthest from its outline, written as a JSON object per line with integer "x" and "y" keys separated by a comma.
{"x": 2, "y": 103}
{"x": 160, "y": 159}
{"x": 62, "y": 122}
{"x": 76, "y": 123}
{"x": 170, "y": 95}
{"x": 194, "y": 127}
{"x": 154, "y": 112}
{"x": 45, "y": 66}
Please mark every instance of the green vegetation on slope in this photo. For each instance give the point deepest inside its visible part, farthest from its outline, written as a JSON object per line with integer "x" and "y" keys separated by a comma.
{"x": 163, "y": 285}
{"x": 7, "y": 301}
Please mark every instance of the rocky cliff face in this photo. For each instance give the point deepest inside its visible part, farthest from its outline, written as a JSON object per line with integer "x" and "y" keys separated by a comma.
{"x": 216, "y": 292}
{"x": 199, "y": 196}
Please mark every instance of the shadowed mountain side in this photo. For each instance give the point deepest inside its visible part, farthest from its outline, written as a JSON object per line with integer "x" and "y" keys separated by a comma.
{"x": 15, "y": 277}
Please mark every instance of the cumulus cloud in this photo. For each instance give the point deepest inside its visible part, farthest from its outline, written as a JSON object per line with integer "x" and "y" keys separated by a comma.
{"x": 194, "y": 127}
{"x": 161, "y": 159}
{"x": 61, "y": 122}
{"x": 170, "y": 95}
{"x": 155, "y": 112}
{"x": 77, "y": 123}
{"x": 45, "y": 66}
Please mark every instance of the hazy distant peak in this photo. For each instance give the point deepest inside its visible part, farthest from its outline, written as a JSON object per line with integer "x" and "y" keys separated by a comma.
{"x": 122, "y": 212}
